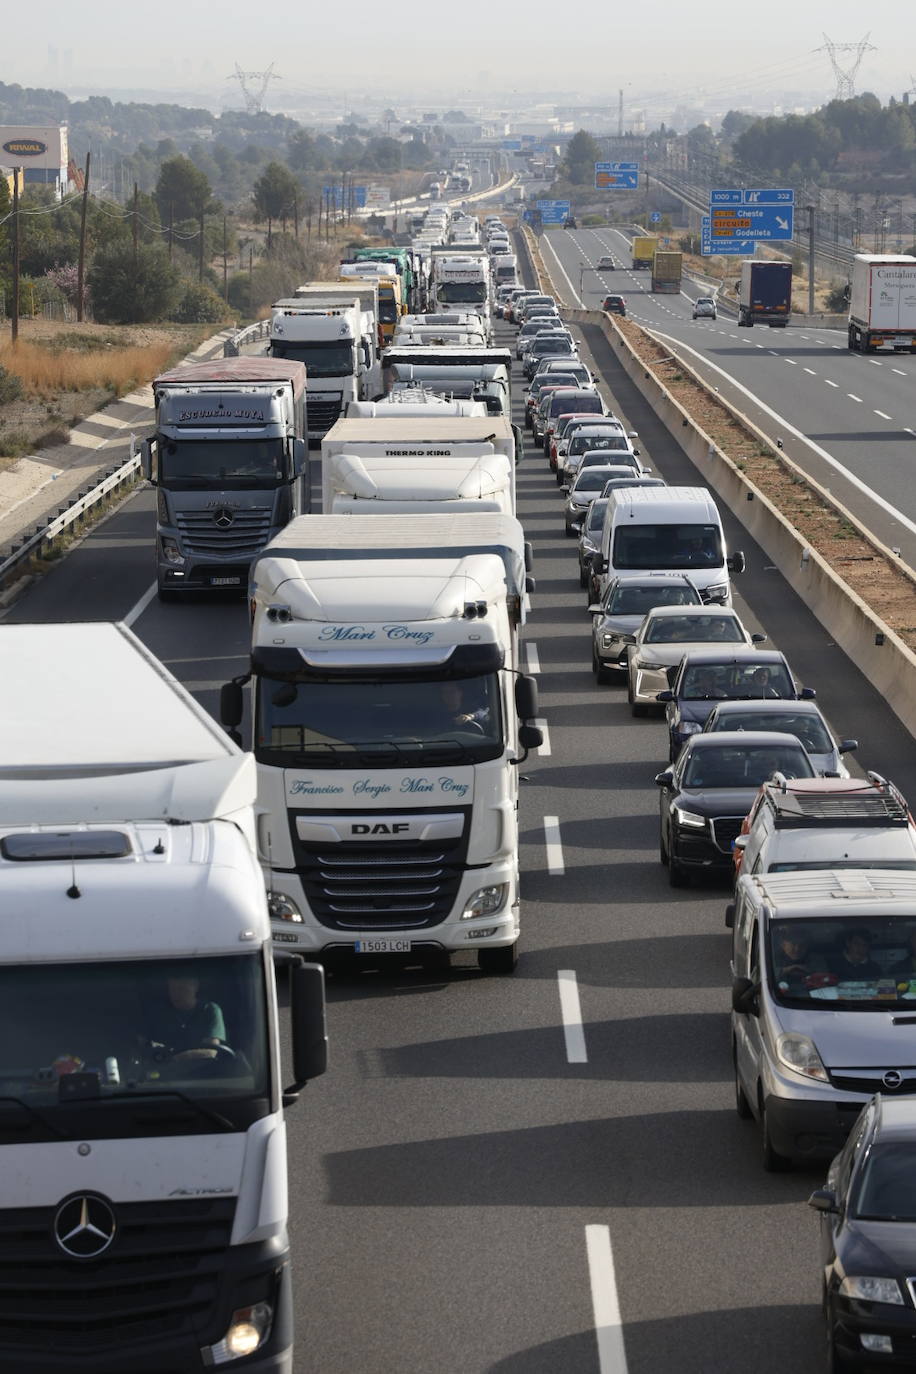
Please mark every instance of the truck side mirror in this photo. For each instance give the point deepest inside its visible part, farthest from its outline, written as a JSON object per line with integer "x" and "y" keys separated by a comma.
{"x": 231, "y": 704}
{"x": 519, "y": 443}
{"x": 526, "y": 697}
{"x": 146, "y": 459}
{"x": 300, "y": 457}
{"x": 309, "y": 1027}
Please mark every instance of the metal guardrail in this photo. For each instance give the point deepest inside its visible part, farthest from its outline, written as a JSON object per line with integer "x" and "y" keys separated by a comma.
{"x": 78, "y": 508}
{"x": 259, "y": 330}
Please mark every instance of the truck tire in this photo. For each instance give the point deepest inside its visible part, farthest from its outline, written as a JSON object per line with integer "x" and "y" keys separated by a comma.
{"x": 500, "y": 961}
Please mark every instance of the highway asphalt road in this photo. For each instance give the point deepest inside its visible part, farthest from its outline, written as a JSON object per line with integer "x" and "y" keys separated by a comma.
{"x": 478, "y": 1167}
{"x": 859, "y": 410}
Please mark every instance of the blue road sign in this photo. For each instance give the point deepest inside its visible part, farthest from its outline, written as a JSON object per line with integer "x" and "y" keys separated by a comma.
{"x": 512, "y": 145}
{"x": 654, "y": 217}
{"x": 334, "y": 197}
{"x": 751, "y": 221}
{"x": 553, "y": 211}
{"x": 616, "y": 176}
{"x": 729, "y": 247}
{"x": 753, "y": 196}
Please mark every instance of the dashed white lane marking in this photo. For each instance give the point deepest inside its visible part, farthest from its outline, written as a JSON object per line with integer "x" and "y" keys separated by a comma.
{"x": 544, "y": 746}
{"x": 571, "y": 1011}
{"x": 804, "y": 336}
{"x": 899, "y": 372}
{"x": 875, "y": 363}
{"x": 858, "y": 399}
{"x": 882, "y": 414}
{"x": 791, "y": 362}
{"x": 555, "y": 864}
{"x": 760, "y": 345}
{"x": 830, "y": 383}
{"x": 810, "y": 371}
{"x": 534, "y": 663}
{"x": 612, "y": 1355}
{"x": 136, "y": 611}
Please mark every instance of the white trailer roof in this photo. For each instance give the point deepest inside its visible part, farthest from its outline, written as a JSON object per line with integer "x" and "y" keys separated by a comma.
{"x": 409, "y": 429}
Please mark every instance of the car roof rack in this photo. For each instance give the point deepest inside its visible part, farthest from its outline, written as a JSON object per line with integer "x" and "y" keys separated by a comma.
{"x": 882, "y": 804}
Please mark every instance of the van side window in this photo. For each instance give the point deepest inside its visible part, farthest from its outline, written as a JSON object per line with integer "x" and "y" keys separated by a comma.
{"x": 754, "y": 955}
{"x": 740, "y": 952}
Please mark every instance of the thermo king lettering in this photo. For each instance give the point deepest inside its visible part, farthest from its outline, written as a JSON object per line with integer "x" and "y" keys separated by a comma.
{"x": 418, "y": 453}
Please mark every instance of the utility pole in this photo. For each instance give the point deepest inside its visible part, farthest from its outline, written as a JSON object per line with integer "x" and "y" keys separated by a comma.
{"x": 171, "y": 227}
{"x": 14, "y": 317}
{"x": 81, "y": 262}
{"x": 620, "y": 112}
{"x": 811, "y": 214}
{"x": 251, "y": 281}
{"x": 136, "y": 225}
{"x": 225, "y": 263}
{"x": 296, "y": 215}
{"x": 200, "y": 249}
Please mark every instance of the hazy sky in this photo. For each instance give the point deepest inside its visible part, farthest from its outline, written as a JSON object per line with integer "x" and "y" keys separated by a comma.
{"x": 660, "y": 47}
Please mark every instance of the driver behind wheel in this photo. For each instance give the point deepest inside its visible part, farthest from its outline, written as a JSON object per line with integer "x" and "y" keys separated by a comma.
{"x": 181, "y": 1026}
{"x": 452, "y": 695}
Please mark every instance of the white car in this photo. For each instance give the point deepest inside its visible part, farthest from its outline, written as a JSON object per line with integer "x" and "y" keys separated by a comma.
{"x": 666, "y": 635}
{"x": 704, "y": 308}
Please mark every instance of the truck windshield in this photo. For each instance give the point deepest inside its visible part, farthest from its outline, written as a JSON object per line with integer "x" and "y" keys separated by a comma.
{"x": 461, "y": 291}
{"x": 855, "y": 963}
{"x": 340, "y": 724}
{"x": 91, "y": 1040}
{"x": 222, "y": 462}
{"x": 667, "y": 546}
{"x": 321, "y": 359}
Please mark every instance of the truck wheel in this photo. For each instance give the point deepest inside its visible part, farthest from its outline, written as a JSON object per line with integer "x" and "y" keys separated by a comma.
{"x": 499, "y": 961}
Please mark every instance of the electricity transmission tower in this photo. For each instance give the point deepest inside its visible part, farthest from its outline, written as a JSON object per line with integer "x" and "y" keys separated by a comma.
{"x": 846, "y": 74}
{"x": 254, "y": 96}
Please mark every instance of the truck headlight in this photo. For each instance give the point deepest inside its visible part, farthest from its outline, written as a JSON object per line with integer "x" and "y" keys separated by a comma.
{"x": 868, "y": 1289}
{"x": 799, "y": 1053}
{"x": 171, "y": 551}
{"x": 249, "y": 1328}
{"x": 718, "y": 592}
{"x": 283, "y": 908}
{"x": 485, "y": 901}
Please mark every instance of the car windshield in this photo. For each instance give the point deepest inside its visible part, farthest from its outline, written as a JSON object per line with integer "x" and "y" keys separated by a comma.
{"x": 80, "y": 1034}
{"x": 667, "y": 546}
{"x": 886, "y": 1189}
{"x": 321, "y": 359}
{"x": 335, "y": 724}
{"x": 593, "y": 479}
{"x": 736, "y": 681}
{"x": 553, "y": 343}
{"x": 583, "y": 443}
{"x": 233, "y": 463}
{"x": 596, "y": 515}
{"x": 624, "y": 600}
{"x": 809, "y": 865}
{"x": 585, "y": 402}
{"x": 745, "y": 765}
{"x": 684, "y": 629}
{"x": 455, "y": 291}
{"x": 805, "y": 726}
{"x": 853, "y": 963}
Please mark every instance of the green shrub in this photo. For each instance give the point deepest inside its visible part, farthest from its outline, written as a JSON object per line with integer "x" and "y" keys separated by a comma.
{"x": 200, "y": 305}
{"x": 10, "y": 387}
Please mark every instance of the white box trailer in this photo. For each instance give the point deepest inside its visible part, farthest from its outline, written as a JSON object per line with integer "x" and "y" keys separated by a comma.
{"x": 142, "y": 1140}
{"x": 433, "y": 440}
{"x": 882, "y": 303}
{"x": 374, "y": 485}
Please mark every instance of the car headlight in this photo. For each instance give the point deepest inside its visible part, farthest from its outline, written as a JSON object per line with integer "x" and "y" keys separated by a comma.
{"x": 646, "y": 664}
{"x": 172, "y": 552}
{"x": 689, "y": 818}
{"x": 871, "y": 1289}
{"x": 799, "y": 1053}
{"x": 717, "y": 592}
{"x": 249, "y": 1328}
{"x": 283, "y": 908}
{"x": 689, "y": 727}
{"x": 485, "y": 901}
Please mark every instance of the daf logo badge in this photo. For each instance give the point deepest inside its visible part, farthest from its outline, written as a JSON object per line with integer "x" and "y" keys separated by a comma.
{"x": 892, "y": 1079}
{"x": 84, "y": 1226}
{"x": 223, "y": 517}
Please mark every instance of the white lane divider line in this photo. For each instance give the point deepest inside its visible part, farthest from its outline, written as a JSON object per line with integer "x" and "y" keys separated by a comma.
{"x": 756, "y": 345}
{"x": 571, "y": 1012}
{"x": 792, "y": 362}
{"x": 534, "y": 663}
{"x": 544, "y": 747}
{"x": 612, "y": 1355}
{"x": 810, "y": 371}
{"x": 804, "y": 336}
{"x": 830, "y": 383}
{"x": 858, "y": 399}
{"x": 874, "y": 362}
{"x": 899, "y": 372}
{"x": 135, "y": 612}
{"x": 882, "y": 414}
{"x": 555, "y": 865}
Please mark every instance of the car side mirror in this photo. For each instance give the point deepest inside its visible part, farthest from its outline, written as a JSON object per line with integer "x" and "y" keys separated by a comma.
{"x": 758, "y": 639}
{"x": 736, "y": 563}
{"x": 596, "y": 609}
{"x": 636, "y": 451}
{"x": 824, "y": 1200}
{"x": 807, "y": 694}
{"x": 739, "y": 842}
{"x": 664, "y": 696}
{"x": 744, "y": 997}
{"x": 564, "y": 486}
{"x": 848, "y": 746}
{"x": 664, "y": 779}
{"x": 730, "y": 916}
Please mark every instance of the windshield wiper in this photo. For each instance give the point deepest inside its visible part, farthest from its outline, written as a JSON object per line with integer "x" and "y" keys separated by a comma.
{"x": 147, "y": 1093}
{"x": 38, "y": 1116}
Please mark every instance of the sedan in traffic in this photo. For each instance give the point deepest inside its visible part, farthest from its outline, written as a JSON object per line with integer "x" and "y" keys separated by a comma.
{"x": 665, "y": 636}
{"x": 587, "y": 487}
{"x": 626, "y": 603}
{"x": 800, "y": 718}
{"x": 614, "y": 305}
{"x": 705, "y": 796}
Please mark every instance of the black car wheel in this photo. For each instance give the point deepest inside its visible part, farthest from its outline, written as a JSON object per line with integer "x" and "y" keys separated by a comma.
{"x": 637, "y": 708}
{"x": 677, "y": 874}
{"x": 571, "y": 531}
{"x": 836, "y": 1363}
{"x": 742, "y": 1106}
{"x": 583, "y": 577}
{"x": 598, "y": 669}
{"x": 773, "y": 1161}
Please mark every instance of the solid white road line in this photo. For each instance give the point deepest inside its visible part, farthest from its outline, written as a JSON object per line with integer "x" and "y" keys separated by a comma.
{"x": 575, "y": 298}
{"x": 534, "y": 663}
{"x": 571, "y": 1011}
{"x": 136, "y": 611}
{"x": 555, "y": 865}
{"x": 612, "y": 1355}
{"x": 543, "y": 749}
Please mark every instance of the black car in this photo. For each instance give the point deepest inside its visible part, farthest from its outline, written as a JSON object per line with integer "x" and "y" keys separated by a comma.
{"x": 615, "y": 305}
{"x": 705, "y": 797}
{"x": 571, "y": 222}
{"x": 709, "y": 675}
{"x": 868, "y": 1241}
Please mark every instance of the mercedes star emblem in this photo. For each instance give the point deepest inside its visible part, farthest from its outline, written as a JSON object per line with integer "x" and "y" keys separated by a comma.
{"x": 892, "y": 1079}
{"x": 223, "y": 517}
{"x": 84, "y": 1226}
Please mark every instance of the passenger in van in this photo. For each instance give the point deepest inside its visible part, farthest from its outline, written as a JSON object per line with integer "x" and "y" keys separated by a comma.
{"x": 792, "y": 966}
{"x": 905, "y": 968}
{"x": 855, "y": 964}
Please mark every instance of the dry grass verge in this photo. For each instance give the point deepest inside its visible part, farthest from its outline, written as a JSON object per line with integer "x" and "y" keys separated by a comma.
{"x": 45, "y": 371}
{"x": 882, "y": 584}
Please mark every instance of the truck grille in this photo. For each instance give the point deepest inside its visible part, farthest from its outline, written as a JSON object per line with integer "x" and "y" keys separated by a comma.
{"x": 243, "y": 538}
{"x": 402, "y": 887}
{"x": 160, "y": 1277}
{"x": 323, "y": 411}
{"x": 725, "y": 829}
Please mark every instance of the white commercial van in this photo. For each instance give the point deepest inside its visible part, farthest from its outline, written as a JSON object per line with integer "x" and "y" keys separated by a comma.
{"x": 667, "y": 529}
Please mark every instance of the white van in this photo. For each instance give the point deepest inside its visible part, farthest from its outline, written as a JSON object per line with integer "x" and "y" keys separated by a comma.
{"x": 666, "y": 529}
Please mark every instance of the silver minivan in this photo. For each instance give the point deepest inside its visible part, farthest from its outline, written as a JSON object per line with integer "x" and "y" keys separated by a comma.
{"x": 823, "y": 1002}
